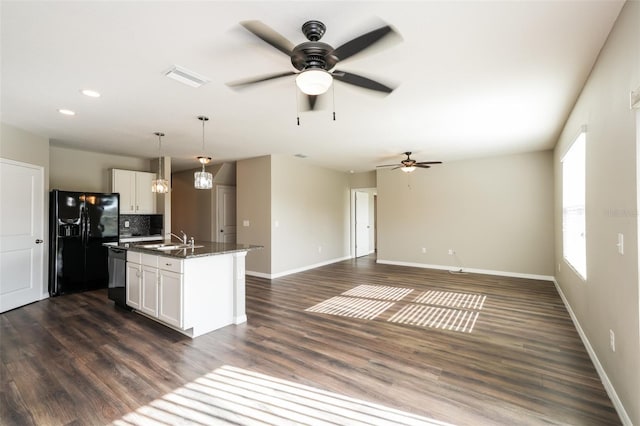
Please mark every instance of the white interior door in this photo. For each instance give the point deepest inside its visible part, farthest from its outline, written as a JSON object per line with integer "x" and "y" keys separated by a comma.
{"x": 21, "y": 233}
{"x": 226, "y": 214}
{"x": 362, "y": 224}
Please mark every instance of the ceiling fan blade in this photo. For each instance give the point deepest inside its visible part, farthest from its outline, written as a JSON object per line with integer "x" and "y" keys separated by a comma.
{"x": 388, "y": 165}
{"x": 358, "y": 80}
{"x": 422, "y": 166}
{"x": 429, "y": 162}
{"x": 360, "y": 43}
{"x": 241, "y": 83}
{"x": 269, "y": 35}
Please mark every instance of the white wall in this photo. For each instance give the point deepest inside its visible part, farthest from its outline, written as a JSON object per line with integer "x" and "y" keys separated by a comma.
{"x": 609, "y": 299}
{"x": 19, "y": 145}
{"x": 253, "y": 204}
{"x": 76, "y": 170}
{"x": 297, "y": 211}
{"x": 310, "y": 214}
{"x": 496, "y": 213}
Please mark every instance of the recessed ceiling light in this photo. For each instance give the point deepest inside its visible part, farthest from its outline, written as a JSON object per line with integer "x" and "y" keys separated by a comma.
{"x": 66, "y": 112}
{"x": 90, "y": 93}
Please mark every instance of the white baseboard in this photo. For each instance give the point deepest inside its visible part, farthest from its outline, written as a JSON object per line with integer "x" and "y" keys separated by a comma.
{"x": 257, "y": 274}
{"x": 294, "y": 271}
{"x": 608, "y": 386}
{"x": 44, "y": 296}
{"x": 470, "y": 270}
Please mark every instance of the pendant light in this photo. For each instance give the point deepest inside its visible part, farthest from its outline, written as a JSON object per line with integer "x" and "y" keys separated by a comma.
{"x": 203, "y": 179}
{"x": 160, "y": 185}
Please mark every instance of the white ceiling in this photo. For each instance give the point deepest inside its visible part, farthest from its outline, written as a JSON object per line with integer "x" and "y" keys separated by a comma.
{"x": 473, "y": 78}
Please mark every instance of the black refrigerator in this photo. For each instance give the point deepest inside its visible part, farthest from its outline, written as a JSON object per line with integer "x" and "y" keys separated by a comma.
{"x": 79, "y": 224}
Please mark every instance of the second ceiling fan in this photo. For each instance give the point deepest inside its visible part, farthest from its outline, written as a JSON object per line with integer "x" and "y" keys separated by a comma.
{"x": 314, "y": 60}
{"x": 408, "y": 164}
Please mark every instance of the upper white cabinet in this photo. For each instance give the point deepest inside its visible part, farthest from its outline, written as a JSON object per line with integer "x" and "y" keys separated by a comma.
{"x": 135, "y": 191}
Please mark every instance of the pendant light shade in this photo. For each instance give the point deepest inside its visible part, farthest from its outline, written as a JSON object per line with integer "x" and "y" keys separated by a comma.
{"x": 160, "y": 185}
{"x": 203, "y": 179}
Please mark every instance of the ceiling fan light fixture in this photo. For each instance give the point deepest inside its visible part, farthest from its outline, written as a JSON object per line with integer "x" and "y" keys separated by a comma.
{"x": 314, "y": 81}
{"x": 408, "y": 169}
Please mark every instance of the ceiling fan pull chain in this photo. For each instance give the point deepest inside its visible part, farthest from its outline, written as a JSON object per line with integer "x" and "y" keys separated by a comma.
{"x": 333, "y": 95}
{"x": 295, "y": 90}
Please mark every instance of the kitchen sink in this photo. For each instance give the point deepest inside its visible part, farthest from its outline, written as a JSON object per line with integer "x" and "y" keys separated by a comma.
{"x": 168, "y": 246}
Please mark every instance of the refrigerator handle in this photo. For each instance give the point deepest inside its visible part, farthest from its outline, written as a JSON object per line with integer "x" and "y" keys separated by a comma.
{"x": 83, "y": 226}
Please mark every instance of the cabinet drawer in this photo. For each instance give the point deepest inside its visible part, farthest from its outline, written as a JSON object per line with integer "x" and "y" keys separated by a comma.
{"x": 134, "y": 257}
{"x": 150, "y": 260}
{"x": 170, "y": 264}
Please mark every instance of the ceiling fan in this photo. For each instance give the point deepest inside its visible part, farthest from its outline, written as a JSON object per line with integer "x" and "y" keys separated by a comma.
{"x": 408, "y": 165}
{"x": 314, "y": 60}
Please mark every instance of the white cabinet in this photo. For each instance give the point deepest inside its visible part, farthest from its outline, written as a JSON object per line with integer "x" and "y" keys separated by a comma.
{"x": 134, "y": 280}
{"x": 149, "y": 297}
{"x": 194, "y": 295}
{"x": 155, "y": 286}
{"x": 135, "y": 191}
{"x": 170, "y": 302}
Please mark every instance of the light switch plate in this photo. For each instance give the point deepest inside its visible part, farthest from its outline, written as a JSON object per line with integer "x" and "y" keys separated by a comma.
{"x": 245, "y": 223}
{"x": 620, "y": 244}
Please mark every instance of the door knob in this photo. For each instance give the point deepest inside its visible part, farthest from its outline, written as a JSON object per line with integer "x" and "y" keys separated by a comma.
{"x": 39, "y": 241}
{"x": 222, "y": 230}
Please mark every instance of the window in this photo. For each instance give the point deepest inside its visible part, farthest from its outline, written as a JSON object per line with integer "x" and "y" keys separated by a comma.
{"x": 574, "y": 246}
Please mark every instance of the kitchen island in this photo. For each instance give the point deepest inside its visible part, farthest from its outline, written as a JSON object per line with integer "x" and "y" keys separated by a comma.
{"x": 193, "y": 289}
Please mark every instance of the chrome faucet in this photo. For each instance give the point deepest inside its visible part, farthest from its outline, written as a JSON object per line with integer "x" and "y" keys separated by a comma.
{"x": 184, "y": 238}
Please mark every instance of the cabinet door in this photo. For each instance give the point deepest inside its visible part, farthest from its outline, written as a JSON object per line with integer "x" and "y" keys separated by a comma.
{"x": 170, "y": 298}
{"x": 149, "y": 297}
{"x": 145, "y": 199}
{"x": 123, "y": 181}
{"x": 134, "y": 284}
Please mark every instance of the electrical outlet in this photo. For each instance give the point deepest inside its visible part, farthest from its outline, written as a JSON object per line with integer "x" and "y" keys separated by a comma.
{"x": 245, "y": 223}
{"x": 559, "y": 267}
{"x": 319, "y": 249}
{"x": 612, "y": 340}
{"x": 424, "y": 249}
{"x": 126, "y": 223}
{"x": 452, "y": 252}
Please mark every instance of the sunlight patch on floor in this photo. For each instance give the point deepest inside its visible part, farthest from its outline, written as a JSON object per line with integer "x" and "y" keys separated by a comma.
{"x": 452, "y": 300}
{"x": 230, "y": 395}
{"x": 378, "y": 292}
{"x": 443, "y": 310}
{"x": 434, "y": 317}
{"x": 351, "y": 307}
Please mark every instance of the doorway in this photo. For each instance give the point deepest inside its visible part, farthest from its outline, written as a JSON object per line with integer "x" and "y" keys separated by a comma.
{"x": 21, "y": 233}
{"x": 225, "y": 214}
{"x": 363, "y": 221}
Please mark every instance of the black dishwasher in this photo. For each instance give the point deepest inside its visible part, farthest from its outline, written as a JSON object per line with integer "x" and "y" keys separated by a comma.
{"x": 117, "y": 290}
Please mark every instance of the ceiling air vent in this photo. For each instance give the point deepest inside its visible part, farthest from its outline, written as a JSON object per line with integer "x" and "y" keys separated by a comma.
{"x": 186, "y": 76}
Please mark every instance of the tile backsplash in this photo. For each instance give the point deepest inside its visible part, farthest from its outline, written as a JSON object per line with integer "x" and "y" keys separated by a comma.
{"x": 140, "y": 224}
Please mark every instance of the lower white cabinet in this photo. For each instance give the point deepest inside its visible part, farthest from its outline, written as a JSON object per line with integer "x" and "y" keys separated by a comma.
{"x": 134, "y": 280}
{"x": 193, "y": 295}
{"x": 154, "y": 287}
{"x": 170, "y": 298}
{"x": 149, "y": 299}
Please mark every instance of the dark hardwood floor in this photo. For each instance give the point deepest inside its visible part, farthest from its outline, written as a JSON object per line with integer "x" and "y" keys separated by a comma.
{"x": 78, "y": 360}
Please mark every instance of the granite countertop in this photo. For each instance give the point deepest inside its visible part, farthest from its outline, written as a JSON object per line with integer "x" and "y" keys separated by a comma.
{"x": 200, "y": 249}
